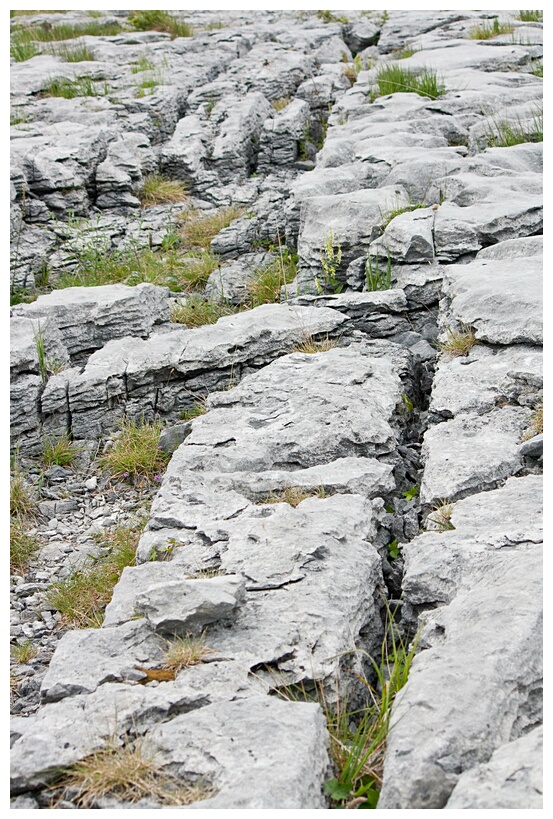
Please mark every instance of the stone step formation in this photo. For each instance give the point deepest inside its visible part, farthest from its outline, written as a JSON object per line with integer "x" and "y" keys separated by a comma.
{"x": 366, "y": 456}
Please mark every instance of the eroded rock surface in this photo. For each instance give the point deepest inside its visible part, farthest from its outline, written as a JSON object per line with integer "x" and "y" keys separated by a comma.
{"x": 347, "y": 449}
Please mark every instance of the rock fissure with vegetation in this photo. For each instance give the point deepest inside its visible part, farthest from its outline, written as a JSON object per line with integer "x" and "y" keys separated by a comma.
{"x": 276, "y": 409}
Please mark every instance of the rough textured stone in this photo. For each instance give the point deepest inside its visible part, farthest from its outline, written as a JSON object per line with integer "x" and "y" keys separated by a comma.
{"x": 263, "y": 753}
{"x": 501, "y": 299}
{"x": 512, "y": 778}
{"x": 472, "y": 452}
{"x": 461, "y": 701}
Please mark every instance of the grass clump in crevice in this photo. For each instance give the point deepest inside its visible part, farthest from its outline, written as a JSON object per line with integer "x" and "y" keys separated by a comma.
{"x": 294, "y": 495}
{"x": 160, "y": 21}
{"x": 128, "y": 772}
{"x": 142, "y": 64}
{"x": 528, "y": 16}
{"x": 327, "y": 17}
{"x": 266, "y": 286}
{"x": 22, "y": 544}
{"x": 69, "y": 89}
{"x": 157, "y": 189}
{"x": 281, "y": 103}
{"x": 440, "y": 516}
{"x": 311, "y": 345}
{"x": 149, "y": 83}
{"x": 81, "y": 598}
{"x": 135, "y": 453}
{"x": 23, "y": 652}
{"x": 390, "y": 214}
{"x": 23, "y": 51}
{"x": 535, "y": 426}
{"x": 458, "y": 342}
{"x": 184, "y": 652}
{"x": 72, "y": 53}
{"x": 485, "y": 31}
{"x": 197, "y": 311}
{"x": 331, "y": 256}
{"x": 193, "y": 412}
{"x": 375, "y": 278}
{"x": 60, "y": 451}
{"x": 393, "y": 78}
{"x": 22, "y": 503}
{"x": 505, "y": 133}
{"x": 198, "y": 230}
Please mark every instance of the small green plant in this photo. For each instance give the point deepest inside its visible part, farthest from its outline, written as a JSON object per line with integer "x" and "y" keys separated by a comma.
{"x": 61, "y": 451}
{"x": 41, "y": 354}
{"x": 69, "y": 89}
{"x": 149, "y": 83}
{"x": 375, "y": 278}
{"x": 387, "y": 216}
{"x": 527, "y": 16}
{"x": 135, "y": 453}
{"x": 412, "y": 492}
{"x": 71, "y": 54}
{"x": 160, "y": 21}
{"x": 537, "y": 70}
{"x": 158, "y": 189}
{"x": 407, "y": 403}
{"x": 484, "y": 31}
{"x": 81, "y": 597}
{"x": 22, "y": 545}
{"x": 458, "y": 342}
{"x": 23, "y": 51}
{"x": 358, "y": 740}
{"x": 331, "y": 256}
{"x": 193, "y": 412}
{"x": 197, "y": 311}
{"x": 505, "y": 133}
{"x": 265, "y": 287}
{"x": 129, "y": 773}
{"x": 281, "y": 103}
{"x": 64, "y": 31}
{"x": 21, "y": 500}
{"x": 441, "y": 516}
{"x": 23, "y": 652}
{"x": 143, "y": 64}
{"x": 328, "y": 17}
{"x": 198, "y": 230}
{"x": 393, "y": 78}
{"x": 404, "y": 53}
{"x": 17, "y": 117}
{"x": 183, "y": 652}
{"x": 394, "y": 549}
{"x": 535, "y": 426}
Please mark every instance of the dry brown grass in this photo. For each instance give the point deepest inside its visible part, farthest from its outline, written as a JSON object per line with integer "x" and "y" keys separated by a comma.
{"x": 128, "y": 773}
{"x": 311, "y": 345}
{"x": 441, "y": 515}
{"x": 183, "y": 652}
{"x": 458, "y": 342}
{"x": 198, "y": 230}
{"x": 281, "y": 103}
{"x": 294, "y": 495}
{"x": 157, "y": 190}
{"x": 535, "y": 426}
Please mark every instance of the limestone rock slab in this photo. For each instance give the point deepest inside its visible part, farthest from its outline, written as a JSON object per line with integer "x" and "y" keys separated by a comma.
{"x": 501, "y": 299}
{"x": 263, "y": 753}
{"x": 472, "y": 452}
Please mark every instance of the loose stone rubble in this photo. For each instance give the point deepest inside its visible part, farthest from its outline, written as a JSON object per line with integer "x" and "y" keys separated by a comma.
{"x": 348, "y": 455}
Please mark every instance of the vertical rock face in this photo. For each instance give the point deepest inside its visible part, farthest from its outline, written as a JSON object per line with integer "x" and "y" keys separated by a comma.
{"x": 376, "y": 436}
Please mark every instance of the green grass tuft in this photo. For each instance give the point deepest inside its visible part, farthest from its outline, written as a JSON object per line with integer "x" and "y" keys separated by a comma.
{"x": 485, "y": 31}
{"x": 69, "y": 89}
{"x": 375, "y": 278}
{"x": 504, "y": 133}
{"x": 158, "y": 189}
{"x": 135, "y": 453}
{"x": 266, "y": 286}
{"x": 143, "y": 64}
{"x": 197, "y": 311}
{"x": 63, "y": 31}
{"x": 394, "y": 78}
{"x": 61, "y": 452}
{"x": 21, "y": 52}
{"x": 71, "y": 53}
{"x": 160, "y": 21}
{"x": 458, "y": 342}
{"x": 82, "y": 597}
{"x": 198, "y": 230}
{"x": 22, "y": 544}
{"x": 528, "y": 16}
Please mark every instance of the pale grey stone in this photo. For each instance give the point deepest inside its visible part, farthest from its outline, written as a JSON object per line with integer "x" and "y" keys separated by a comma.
{"x": 62, "y": 733}
{"x": 173, "y": 436}
{"x": 88, "y": 317}
{"x": 408, "y": 238}
{"x": 532, "y": 448}
{"x": 501, "y": 299}
{"x": 361, "y": 34}
{"x": 230, "y": 282}
{"x": 512, "y": 778}
{"x": 472, "y": 452}
{"x": 281, "y": 135}
{"x": 513, "y": 249}
{"x": 187, "y": 606}
{"x": 461, "y": 701}
{"x": 263, "y": 753}
{"x": 378, "y": 313}
{"x": 485, "y": 378}
{"x": 86, "y": 659}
